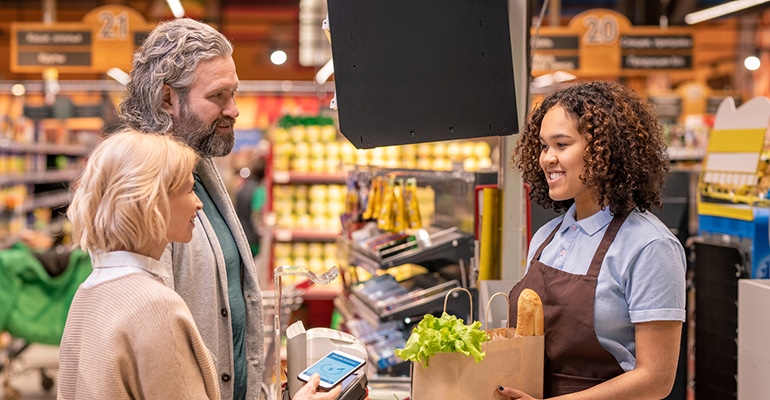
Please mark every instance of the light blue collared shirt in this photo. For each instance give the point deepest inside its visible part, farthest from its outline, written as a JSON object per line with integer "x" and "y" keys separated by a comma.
{"x": 642, "y": 277}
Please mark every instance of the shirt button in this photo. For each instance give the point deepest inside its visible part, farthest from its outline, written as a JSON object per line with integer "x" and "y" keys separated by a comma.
{"x": 562, "y": 252}
{"x": 224, "y": 312}
{"x": 225, "y": 377}
{"x": 573, "y": 227}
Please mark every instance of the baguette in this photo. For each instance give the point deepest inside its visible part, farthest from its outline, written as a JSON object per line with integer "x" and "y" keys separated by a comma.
{"x": 529, "y": 320}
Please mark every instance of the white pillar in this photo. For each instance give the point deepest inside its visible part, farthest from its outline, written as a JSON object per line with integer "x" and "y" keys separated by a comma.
{"x": 514, "y": 227}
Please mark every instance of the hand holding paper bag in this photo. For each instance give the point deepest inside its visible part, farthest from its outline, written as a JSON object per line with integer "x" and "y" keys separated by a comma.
{"x": 508, "y": 360}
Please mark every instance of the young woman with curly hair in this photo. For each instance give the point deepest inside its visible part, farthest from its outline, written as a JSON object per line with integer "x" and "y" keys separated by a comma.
{"x": 610, "y": 274}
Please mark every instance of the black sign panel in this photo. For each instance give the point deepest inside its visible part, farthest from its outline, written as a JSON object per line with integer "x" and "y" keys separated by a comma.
{"x": 556, "y": 43}
{"x": 672, "y": 61}
{"x": 422, "y": 71}
{"x": 656, "y": 52}
{"x": 544, "y": 62}
{"x": 53, "y": 38}
{"x": 54, "y": 58}
{"x": 656, "y": 42}
{"x": 139, "y": 37}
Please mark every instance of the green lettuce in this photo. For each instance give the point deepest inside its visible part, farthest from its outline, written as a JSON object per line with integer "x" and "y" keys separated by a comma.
{"x": 447, "y": 334}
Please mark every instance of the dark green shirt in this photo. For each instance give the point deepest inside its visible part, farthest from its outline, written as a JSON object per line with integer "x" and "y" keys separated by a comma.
{"x": 234, "y": 290}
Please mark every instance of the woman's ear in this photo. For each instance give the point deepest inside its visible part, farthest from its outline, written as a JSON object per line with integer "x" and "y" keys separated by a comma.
{"x": 168, "y": 95}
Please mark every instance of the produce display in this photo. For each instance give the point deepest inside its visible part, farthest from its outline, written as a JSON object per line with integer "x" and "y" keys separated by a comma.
{"x": 308, "y": 144}
{"x": 318, "y": 257}
{"x": 312, "y": 144}
{"x": 308, "y": 207}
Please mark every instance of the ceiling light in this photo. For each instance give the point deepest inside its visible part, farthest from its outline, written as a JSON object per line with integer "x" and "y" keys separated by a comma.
{"x": 278, "y": 57}
{"x": 561, "y": 76}
{"x": 721, "y": 10}
{"x": 244, "y": 173}
{"x": 119, "y": 75}
{"x": 544, "y": 81}
{"x": 176, "y": 8}
{"x": 752, "y": 63}
{"x": 324, "y": 73}
{"x": 18, "y": 89}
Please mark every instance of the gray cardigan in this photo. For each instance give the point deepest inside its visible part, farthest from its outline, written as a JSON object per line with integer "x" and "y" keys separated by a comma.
{"x": 199, "y": 276}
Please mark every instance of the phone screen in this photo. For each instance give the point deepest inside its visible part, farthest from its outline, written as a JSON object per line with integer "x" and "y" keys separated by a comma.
{"x": 333, "y": 368}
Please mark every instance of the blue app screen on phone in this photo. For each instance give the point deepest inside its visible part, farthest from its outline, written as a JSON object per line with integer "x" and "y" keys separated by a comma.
{"x": 333, "y": 367}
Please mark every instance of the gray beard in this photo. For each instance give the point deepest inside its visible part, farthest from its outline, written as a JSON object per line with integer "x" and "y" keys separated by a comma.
{"x": 191, "y": 130}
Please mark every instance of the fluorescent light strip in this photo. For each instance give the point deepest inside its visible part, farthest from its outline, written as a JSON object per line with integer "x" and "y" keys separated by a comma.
{"x": 119, "y": 75}
{"x": 325, "y": 72}
{"x": 176, "y": 8}
{"x": 720, "y": 10}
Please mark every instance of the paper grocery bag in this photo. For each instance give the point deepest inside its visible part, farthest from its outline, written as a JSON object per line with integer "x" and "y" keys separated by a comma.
{"x": 513, "y": 361}
{"x": 510, "y": 360}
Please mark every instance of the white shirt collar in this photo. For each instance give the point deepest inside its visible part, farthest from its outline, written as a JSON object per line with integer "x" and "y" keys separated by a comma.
{"x": 114, "y": 259}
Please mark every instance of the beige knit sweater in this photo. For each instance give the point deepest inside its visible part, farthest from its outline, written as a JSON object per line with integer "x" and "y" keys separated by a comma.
{"x": 133, "y": 338}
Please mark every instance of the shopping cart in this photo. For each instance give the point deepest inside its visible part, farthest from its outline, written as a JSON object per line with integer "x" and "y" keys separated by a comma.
{"x": 36, "y": 290}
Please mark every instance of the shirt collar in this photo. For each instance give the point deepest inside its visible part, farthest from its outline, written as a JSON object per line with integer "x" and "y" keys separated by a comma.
{"x": 114, "y": 259}
{"x": 590, "y": 225}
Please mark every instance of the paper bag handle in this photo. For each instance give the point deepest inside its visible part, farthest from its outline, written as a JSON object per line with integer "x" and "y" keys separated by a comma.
{"x": 507, "y": 302}
{"x": 470, "y": 298}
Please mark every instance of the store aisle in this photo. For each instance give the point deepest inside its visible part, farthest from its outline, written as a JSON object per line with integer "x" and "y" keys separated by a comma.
{"x": 26, "y": 377}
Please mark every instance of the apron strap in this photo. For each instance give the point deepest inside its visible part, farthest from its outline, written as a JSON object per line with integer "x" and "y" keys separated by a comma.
{"x": 546, "y": 241}
{"x": 604, "y": 246}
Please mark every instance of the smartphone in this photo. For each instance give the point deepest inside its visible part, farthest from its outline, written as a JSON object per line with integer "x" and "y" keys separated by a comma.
{"x": 333, "y": 368}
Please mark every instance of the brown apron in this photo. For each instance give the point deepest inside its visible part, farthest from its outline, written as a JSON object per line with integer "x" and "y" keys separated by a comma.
{"x": 574, "y": 358}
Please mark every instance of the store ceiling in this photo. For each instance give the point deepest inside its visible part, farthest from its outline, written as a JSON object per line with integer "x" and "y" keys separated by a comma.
{"x": 138, "y": 4}
{"x": 258, "y": 27}
{"x": 640, "y": 12}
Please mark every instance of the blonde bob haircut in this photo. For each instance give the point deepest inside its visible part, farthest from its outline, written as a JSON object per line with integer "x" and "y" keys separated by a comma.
{"x": 121, "y": 201}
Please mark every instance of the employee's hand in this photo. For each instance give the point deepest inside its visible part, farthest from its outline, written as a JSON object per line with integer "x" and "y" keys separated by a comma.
{"x": 513, "y": 393}
{"x": 310, "y": 391}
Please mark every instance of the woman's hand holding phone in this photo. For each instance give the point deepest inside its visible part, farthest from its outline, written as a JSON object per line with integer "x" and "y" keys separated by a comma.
{"x": 310, "y": 390}
{"x": 333, "y": 368}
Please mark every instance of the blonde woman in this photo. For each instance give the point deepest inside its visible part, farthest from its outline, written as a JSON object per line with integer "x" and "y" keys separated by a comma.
{"x": 127, "y": 335}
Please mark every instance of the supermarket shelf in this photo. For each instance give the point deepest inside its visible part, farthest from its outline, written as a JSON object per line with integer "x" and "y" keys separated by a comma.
{"x": 303, "y": 235}
{"x": 51, "y": 199}
{"x": 450, "y": 243}
{"x": 54, "y": 228}
{"x": 45, "y": 148}
{"x": 413, "y": 305}
{"x": 39, "y": 177}
{"x": 284, "y": 177}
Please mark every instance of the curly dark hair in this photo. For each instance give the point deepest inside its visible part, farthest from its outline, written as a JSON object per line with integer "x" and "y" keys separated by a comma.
{"x": 626, "y": 162}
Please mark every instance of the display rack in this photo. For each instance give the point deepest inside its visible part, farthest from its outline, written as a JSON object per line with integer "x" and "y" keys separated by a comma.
{"x": 380, "y": 310}
{"x": 734, "y": 184}
{"x": 411, "y": 305}
{"x": 448, "y": 243}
